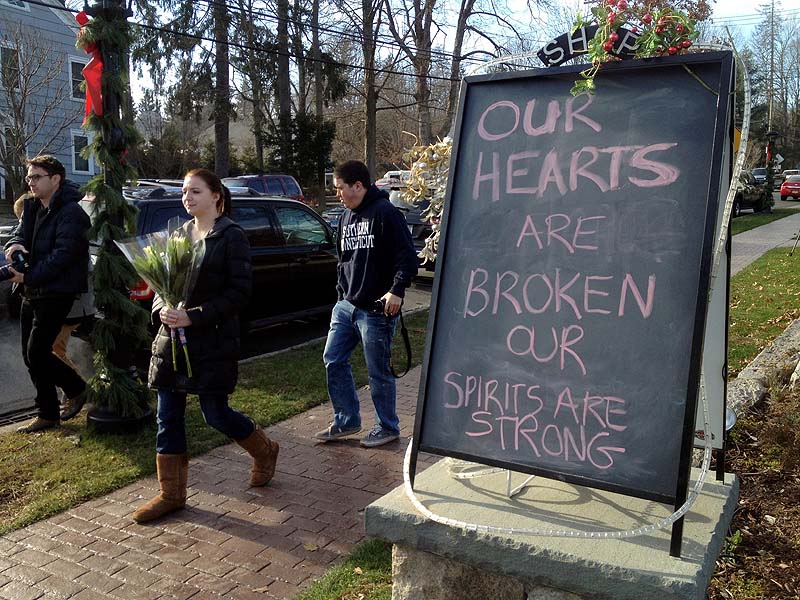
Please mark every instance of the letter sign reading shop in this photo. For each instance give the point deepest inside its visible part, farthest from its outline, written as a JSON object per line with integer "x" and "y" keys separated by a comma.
{"x": 569, "y": 306}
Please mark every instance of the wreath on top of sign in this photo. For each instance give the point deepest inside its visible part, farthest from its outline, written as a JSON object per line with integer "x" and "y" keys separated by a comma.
{"x": 619, "y": 29}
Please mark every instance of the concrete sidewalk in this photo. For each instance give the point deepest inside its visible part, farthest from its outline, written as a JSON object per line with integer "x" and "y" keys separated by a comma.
{"x": 231, "y": 541}
{"x": 750, "y": 245}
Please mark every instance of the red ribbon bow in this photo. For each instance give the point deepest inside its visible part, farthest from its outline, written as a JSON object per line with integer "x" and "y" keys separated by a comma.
{"x": 92, "y": 73}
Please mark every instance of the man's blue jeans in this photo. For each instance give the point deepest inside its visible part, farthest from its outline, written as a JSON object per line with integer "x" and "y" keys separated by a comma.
{"x": 350, "y": 325}
{"x": 171, "y": 436}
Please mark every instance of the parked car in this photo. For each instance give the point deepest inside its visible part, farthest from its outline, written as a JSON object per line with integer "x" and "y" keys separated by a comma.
{"x": 332, "y": 215}
{"x": 271, "y": 184}
{"x": 292, "y": 250}
{"x": 6, "y": 230}
{"x": 782, "y": 177}
{"x": 393, "y": 180}
{"x": 760, "y": 174}
{"x": 791, "y": 187}
{"x": 749, "y": 194}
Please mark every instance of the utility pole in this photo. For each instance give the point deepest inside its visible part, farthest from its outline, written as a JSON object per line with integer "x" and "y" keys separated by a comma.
{"x": 120, "y": 401}
{"x": 771, "y": 63}
{"x": 112, "y": 11}
{"x": 318, "y": 91}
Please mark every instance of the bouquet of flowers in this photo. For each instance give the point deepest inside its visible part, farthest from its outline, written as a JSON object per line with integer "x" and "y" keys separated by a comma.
{"x": 168, "y": 261}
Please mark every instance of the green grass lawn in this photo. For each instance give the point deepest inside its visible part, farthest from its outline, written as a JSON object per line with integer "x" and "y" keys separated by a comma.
{"x": 765, "y": 299}
{"x": 752, "y": 220}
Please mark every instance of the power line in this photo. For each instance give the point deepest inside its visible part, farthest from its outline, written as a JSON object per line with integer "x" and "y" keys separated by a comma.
{"x": 282, "y": 53}
{"x": 250, "y": 47}
{"x": 754, "y": 17}
{"x": 389, "y": 40}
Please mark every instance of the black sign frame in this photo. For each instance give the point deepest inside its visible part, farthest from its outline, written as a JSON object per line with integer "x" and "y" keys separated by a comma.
{"x": 723, "y": 87}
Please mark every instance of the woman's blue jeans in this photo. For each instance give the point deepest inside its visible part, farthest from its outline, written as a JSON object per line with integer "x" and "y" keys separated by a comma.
{"x": 171, "y": 436}
{"x": 349, "y": 326}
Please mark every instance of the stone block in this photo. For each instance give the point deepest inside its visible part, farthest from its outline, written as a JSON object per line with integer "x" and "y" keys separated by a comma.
{"x": 628, "y": 568}
{"x": 417, "y": 574}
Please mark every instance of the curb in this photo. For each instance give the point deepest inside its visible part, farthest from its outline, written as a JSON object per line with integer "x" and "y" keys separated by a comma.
{"x": 751, "y": 385}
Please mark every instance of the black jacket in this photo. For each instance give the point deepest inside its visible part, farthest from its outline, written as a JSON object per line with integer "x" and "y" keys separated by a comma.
{"x": 376, "y": 252}
{"x": 58, "y": 249}
{"x": 222, "y": 290}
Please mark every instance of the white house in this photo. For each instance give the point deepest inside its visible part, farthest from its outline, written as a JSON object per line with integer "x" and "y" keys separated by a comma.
{"x": 41, "y": 101}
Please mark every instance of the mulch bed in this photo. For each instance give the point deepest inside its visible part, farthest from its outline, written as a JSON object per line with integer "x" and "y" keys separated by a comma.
{"x": 761, "y": 558}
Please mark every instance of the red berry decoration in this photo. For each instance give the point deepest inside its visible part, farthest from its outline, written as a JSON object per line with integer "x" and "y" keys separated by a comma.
{"x": 659, "y": 29}
{"x": 679, "y": 28}
{"x": 687, "y": 44}
{"x": 660, "y": 49}
{"x": 622, "y": 5}
{"x": 613, "y": 37}
{"x": 661, "y": 21}
{"x": 608, "y": 46}
{"x": 647, "y": 19}
{"x": 672, "y": 50}
{"x": 612, "y": 16}
{"x": 634, "y": 29}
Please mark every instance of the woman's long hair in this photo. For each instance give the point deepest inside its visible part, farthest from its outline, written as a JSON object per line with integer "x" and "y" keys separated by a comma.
{"x": 216, "y": 186}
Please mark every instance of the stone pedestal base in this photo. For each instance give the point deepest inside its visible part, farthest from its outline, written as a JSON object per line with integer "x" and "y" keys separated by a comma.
{"x": 438, "y": 562}
{"x": 417, "y": 574}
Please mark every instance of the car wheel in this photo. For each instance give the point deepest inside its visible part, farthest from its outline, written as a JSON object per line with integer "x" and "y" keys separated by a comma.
{"x": 737, "y": 208}
{"x": 784, "y": 198}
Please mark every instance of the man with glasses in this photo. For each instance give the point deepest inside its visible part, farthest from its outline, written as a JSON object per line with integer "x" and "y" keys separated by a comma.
{"x": 52, "y": 232}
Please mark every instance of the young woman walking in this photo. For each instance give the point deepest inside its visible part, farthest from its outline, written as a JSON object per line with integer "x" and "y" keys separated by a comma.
{"x": 211, "y": 323}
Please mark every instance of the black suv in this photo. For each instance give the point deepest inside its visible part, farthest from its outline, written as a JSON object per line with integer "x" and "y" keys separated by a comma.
{"x": 292, "y": 249}
{"x": 273, "y": 185}
{"x": 749, "y": 194}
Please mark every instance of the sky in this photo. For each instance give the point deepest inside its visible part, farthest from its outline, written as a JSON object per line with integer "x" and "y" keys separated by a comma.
{"x": 740, "y": 15}
{"x": 745, "y": 13}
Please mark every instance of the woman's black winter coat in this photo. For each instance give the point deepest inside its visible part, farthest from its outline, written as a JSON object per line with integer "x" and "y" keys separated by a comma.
{"x": 222, "y": 290}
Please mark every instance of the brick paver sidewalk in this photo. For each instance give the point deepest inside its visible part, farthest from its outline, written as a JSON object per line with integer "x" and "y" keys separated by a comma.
{"x": 231, "y": 541}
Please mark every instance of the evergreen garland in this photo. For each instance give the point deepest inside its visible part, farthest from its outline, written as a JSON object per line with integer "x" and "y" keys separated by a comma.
{"x": 123, "y": 328}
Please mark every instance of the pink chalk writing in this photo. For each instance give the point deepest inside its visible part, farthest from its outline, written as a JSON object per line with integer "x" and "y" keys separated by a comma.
{"x": 531, "y": 174}
{"x": 525, "y": 418}
{"x": 537, "y": 293}
{"x": 555, "y": 224}
{"x": 521, "y": 341}
{"x": 571, "y": 113}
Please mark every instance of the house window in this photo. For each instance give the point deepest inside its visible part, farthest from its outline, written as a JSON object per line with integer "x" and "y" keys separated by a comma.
{"x": 79, "y": 164}
{"x": 76, "y": 78}
{"x": 9, "y": 68}
{"x": 19, "y": 4}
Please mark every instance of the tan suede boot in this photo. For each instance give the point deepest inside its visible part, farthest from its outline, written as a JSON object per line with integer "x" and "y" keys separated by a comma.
{"x": 173, "y": 472}
{"x": 265, "y": 454}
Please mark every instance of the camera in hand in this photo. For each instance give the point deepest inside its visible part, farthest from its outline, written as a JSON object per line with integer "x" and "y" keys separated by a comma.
{"x": 19, "y": 261}
{"x": 380, "y": 305}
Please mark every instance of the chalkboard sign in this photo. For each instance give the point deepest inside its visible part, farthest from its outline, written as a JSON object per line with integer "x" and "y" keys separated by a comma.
{"x": 569, "y": 303}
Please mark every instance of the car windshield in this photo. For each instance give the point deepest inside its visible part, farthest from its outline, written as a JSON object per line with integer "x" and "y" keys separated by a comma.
{"x": 793, "y": 178}
{"x": 229, "y": 181}
{"x": 759, "y": 171}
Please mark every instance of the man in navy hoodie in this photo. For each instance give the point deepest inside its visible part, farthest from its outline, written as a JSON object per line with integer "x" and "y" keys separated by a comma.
{"x": 376, "y": 264}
